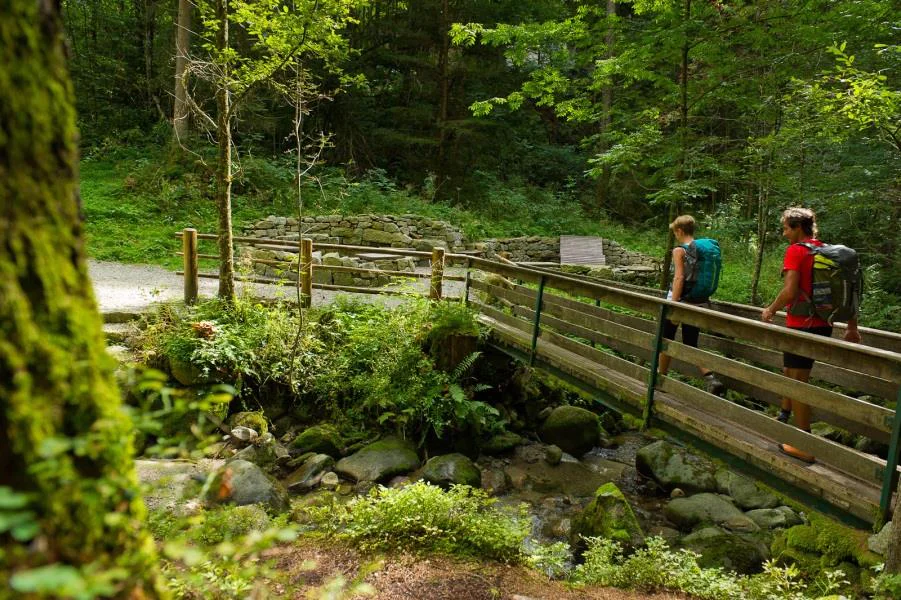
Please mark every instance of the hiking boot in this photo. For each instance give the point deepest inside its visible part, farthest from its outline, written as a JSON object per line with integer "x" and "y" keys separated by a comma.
{"x": 796, "y": 453}
{"x": 713, "y": 385}
{"x": 784, "y": 416}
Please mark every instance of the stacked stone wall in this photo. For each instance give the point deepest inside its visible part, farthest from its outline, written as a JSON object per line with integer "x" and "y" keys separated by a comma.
{"x": 422, "y": 233}
{"x": 403, "y": 231}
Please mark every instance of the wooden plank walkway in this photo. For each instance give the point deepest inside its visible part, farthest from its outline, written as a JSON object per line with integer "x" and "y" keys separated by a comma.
{"x": 582, "y": 250}
{"x": 723, "y": 424}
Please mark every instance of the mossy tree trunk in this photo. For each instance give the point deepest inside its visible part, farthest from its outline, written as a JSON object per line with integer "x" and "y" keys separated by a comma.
{"x": 64, "y": 440}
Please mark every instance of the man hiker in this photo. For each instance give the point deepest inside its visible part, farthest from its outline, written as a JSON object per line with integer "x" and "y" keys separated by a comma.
{"x": 697, "y": 265}
{"x": 800, "y": 228}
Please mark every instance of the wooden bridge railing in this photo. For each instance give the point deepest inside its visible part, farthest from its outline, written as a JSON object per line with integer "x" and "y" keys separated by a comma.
{"x": 602, "y": 336}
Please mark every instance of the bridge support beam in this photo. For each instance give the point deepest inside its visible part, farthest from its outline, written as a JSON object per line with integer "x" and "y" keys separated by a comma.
{"x": 891, "y": 464}
{"x": 655, "y": 361}
{"x": 536, "y": 324}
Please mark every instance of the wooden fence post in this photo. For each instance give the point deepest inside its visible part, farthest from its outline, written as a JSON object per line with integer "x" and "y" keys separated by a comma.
{"x": 437, "y": 273}
{"x": 467, "y": 282}
{"x": 306, "y": 273}
{"x": 655, "y": 361}
{"x": 536, "y": 324}
{"x": 192, "y": 280}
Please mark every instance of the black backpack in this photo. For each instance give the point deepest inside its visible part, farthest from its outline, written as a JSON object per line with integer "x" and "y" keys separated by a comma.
{"x": 837, "y": 284}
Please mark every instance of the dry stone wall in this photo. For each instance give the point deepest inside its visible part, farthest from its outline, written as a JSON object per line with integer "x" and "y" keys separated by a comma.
{"x": 403, "y": 231}
{"x": 422, "y": 233}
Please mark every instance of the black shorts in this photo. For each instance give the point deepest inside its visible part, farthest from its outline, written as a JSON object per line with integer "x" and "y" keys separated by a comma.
{"x": 690, "y": 333}
{"x": 795, "y": 361}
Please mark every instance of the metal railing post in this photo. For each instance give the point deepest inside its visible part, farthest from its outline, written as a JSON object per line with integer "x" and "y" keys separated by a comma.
{"x": 306, "y": 273}
{"x": 536, "y": 324}
{"x": 655, "y": 361}
{"x": 891, "y": 463}
{"x": 192, "y": 279}
{"x": 437, "y": 273}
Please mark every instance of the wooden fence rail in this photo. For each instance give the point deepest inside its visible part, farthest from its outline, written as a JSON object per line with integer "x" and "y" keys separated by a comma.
{"x": 602, "y": 335}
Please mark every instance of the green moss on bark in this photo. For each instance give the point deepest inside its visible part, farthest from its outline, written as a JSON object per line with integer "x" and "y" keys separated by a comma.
{"x": 64, "y": 439}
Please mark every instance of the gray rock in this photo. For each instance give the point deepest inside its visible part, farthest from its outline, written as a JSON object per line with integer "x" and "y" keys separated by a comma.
{"x": 330, "y": 480}
{"x": 308, "y": 475}
{"x": 244, "y": 434}
{"x": 744, "y": 491}
{"x": 575, "y": 430}
{"x": 173, "y": 485}
{"x": 451, "y": 469}
{"x": 780, "y": 517}
{"x": 379, "y": 461}
{"x": 241, "y": 482}
{"x": 879, "y": 543}
{"x": 266, "y": 453}
{"x": 672, "y": 466}
{"x": 707, "y": 508}
{"x": 718, "y": 548}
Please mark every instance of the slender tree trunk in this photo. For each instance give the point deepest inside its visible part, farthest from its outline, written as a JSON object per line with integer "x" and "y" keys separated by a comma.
{"x": 444, "y": 91}
{"x": 182, "y": 48}
{"x": 224, "y": 166}
{"x": 674, "y": 207}
{"x": 763, "y": 194}
{"x": 602, "y": 189}
{"x": 64, "y": 439}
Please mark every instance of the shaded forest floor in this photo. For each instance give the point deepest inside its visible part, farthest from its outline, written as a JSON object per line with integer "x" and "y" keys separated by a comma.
{"x": 310, "y": 566}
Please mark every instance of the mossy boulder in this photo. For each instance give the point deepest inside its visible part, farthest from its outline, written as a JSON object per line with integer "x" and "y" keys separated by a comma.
{"x": 321, "y": 439}
{"x": 502, "y": 442}
{"x": 744, "y": 491}
{"x": 241, "y": 482}
{"x": 451, "y": 469}
{"x": 780, "y": 517}
{"x": 575, "y": 430}
{"x": 831, "y": 541}
{"x": 720, "y": 548}
{"x": 265, "y": 452}
{"x": 608, "y": 515}
{"x": 675, "y": 467}
{"x": 253, "y": 419}
{"x": 379, "y": 461}
{"x": 708, "y": 509}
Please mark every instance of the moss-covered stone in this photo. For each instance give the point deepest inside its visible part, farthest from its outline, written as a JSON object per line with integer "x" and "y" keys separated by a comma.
{"x": 575, "y": 430}
{"x": 608, "y": 515}
{"x": 719, "y": 548}
{"x": 675, "y": 467}
{"x": 321, "y": 439}
{"x": 451, "y": 469}
{"x": 256, "y": 420}
{"x": 379, "y": 461}
{"x": 502, "y": 442}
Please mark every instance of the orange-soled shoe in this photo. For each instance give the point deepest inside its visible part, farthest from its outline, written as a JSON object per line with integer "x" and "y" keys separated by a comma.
{"x": 795, "y": 453}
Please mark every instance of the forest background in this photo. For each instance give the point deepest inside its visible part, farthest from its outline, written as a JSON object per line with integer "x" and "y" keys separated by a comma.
{"x": 504, "y": 117}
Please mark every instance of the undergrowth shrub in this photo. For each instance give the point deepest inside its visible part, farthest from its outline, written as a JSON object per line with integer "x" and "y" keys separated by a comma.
{"x": 655, "y": 567}
{"x": 366, "y": 366}
{"x": 423, "y": 517}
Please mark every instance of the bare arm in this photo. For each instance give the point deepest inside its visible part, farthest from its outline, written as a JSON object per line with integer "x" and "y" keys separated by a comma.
{"x": 790, "y": 287}
{"x": 679, "y": 277}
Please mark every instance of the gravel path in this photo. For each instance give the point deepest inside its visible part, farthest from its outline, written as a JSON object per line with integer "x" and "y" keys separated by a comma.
{"x": 121, "y": 287}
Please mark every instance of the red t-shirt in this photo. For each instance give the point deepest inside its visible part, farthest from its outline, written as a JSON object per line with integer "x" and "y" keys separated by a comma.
{"x": 798, "y": 258}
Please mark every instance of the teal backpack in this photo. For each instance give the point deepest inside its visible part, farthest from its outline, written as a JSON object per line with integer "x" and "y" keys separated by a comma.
{"x": 703, "y": 263}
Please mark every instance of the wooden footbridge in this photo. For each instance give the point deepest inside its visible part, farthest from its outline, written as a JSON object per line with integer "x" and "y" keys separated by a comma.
{"x": 606, "y": 338}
